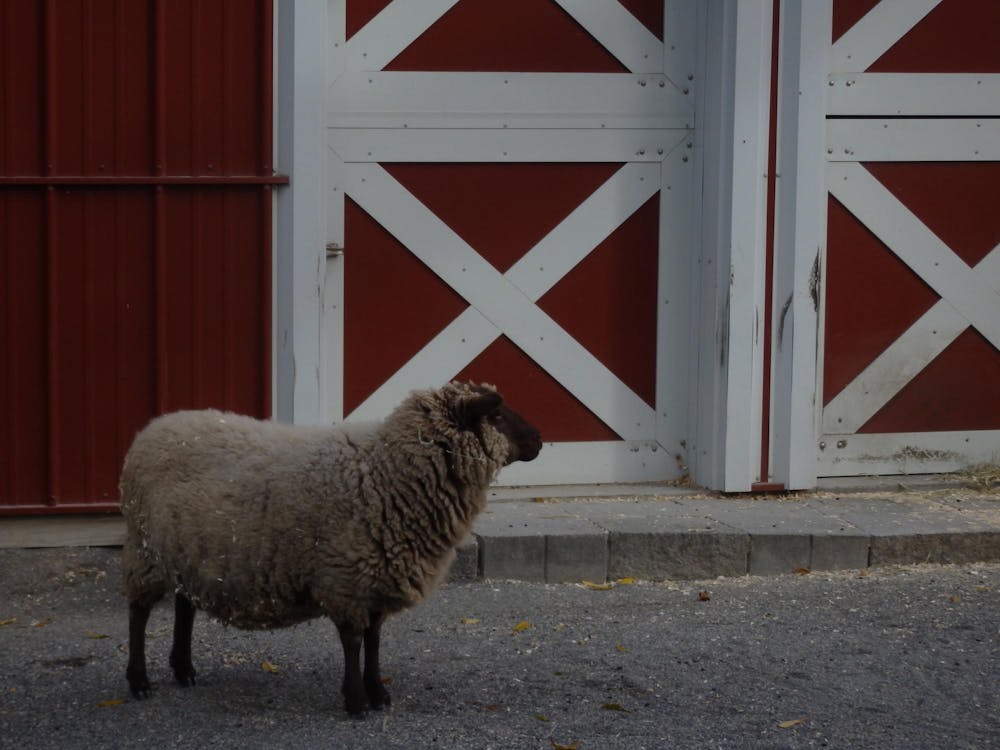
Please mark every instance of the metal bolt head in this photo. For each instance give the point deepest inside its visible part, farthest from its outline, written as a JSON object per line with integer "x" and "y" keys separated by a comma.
{"x": 841, "y": 443}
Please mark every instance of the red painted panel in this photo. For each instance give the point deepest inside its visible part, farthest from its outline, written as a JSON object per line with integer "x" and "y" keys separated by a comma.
{"x": 215, "y": 256}
{"x": 956, "y": 391}
{"x": 956, "y": 200}
{"x": 502, "y": 210}
{"x": 393, "y": 305}
{"x": 122, "y": 300}
{"x": 21, "y": 100}
{"x": 608, "y": 302}
{"x": 957, "y": 36}
{"x": 846, "y": 13}
{"x": 212, "y": 93}
{"x": 650, "y": 12}
{"x": 536, "y": 394}
{"x": 871, "y": 298}
{"x": 23, "y": 371}
{"x": 360, "y": 12}
{"x": 515, "y": 35}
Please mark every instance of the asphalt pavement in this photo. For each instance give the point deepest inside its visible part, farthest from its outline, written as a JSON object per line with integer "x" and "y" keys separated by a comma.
{"x": 875, "y": 657}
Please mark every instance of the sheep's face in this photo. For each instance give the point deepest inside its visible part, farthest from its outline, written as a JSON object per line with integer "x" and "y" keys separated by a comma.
{"x": 486, "y": 411}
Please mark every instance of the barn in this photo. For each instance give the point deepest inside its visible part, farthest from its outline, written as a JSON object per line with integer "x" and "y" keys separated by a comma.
{"x": 746, "y": 244}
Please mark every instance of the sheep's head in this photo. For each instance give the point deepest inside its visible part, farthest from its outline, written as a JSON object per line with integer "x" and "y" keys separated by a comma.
{"x": 484, "y": 410}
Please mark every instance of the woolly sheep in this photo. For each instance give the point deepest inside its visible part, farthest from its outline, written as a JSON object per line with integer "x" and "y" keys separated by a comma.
{"x": 265, "y": 525}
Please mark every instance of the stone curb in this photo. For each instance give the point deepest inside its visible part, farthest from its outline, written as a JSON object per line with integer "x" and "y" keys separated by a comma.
{"x": 690, "y": 537}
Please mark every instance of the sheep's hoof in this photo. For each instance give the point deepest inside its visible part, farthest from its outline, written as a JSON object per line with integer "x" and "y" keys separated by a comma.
{"x": 355, "y": 709}
{"x": 379, "y": 697}
{"x": 183, "y": 670}
{"x": 140, "y": 687}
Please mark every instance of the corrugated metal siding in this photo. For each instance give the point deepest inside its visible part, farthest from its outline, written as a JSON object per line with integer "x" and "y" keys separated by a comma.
{"x": 135, "y": 222}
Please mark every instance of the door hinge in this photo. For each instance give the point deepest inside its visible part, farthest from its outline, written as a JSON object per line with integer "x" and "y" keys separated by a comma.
{"x": 333, "y": 250}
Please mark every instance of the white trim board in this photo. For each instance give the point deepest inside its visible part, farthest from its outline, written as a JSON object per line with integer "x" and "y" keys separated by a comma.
{"x": 889, "y": 139}
{"x": 595, "y": 462}
{"x": 906, "y": 453}
{"x": 914, "y": 94}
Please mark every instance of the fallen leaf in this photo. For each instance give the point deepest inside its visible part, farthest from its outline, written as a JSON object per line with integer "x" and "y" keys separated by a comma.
{"x": 863, "y": 574}
{"x": 802, "y": 571}
{"x": 574, "y": 745}
{"x": 111, "y": 702}
{"x": 978, "y": 588}
{"x": 954, "y": 599}
{"x": 625, "y": 581}
{"x": 541, "y": 717}
{"x": 386, "y": 680}
{"x": 790, "y": 723}
{"x": 621, "y": 649}
{"x": 469, "y": 620}
{"x": 269, "y": 667}
{"x": 597, "y": 586}
{"x": 96, "y": 636}
{"x": 522, "y": 626}
{"x": 491, "y": 707}
{"x": 704, "y": 596}
{"x": 560, "y": 627}
{"x": 613, "y": 707}
{"x": 8, "y": 621}
{"x": 41, "y": 623}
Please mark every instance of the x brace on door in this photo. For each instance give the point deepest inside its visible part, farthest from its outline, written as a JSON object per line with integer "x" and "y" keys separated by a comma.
{"x": 505, "y": 303}
{"x": 969, "y": 296}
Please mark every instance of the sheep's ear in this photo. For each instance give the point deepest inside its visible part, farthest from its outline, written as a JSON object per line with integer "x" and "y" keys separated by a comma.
{"x": 477, "y": 407}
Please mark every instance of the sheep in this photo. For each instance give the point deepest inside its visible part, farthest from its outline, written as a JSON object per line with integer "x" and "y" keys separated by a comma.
{"x": 264, "y": 525}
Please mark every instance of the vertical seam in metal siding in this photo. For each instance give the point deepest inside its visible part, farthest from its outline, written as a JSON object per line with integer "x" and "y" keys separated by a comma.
{"x": 53, "y": 350}
{"x": 266, "y": 105}
{"x": 49, "y": 45}
{"x": 161, "y": 369}
{"x": 160, "y": 86}
{"x": 86, "y": 73}
{"x": 196, "y": 164}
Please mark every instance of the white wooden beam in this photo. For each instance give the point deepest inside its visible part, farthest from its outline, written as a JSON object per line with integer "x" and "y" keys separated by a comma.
{"x": 800, "y": 240}
{"x": 884, "y": 25}
{"x": 906, "y": 453}
{"x": 390, "y": 32}
{"x": 502, "y": 100}
{"x": 619, "y": 32}
{"x": 914, "y": 95}
{"x": 892, "y": 139}
{"x": 302, "y": 30}
{"x": 504, "y": 144}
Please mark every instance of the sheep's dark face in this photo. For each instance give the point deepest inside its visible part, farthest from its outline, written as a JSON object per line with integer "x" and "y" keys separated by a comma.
{"x": 488, "y": 409}
{"x": 525, "y": 440}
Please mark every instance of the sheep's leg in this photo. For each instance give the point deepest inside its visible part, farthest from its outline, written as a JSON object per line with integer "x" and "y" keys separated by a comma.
{"x": 180, "y": 654}
{"x": 355, "y": 699}
{"x": 378, "y": 696}
{"x": 135, "y": 673}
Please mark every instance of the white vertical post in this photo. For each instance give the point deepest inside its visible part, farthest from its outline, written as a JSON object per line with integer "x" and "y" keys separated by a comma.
{"x": 800, "y": 238}
{"x": 301, "y": 223}
{"x": 733, "y": 108}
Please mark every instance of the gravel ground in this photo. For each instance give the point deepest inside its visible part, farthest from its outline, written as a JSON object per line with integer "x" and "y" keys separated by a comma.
{"x": 897, "y": 658}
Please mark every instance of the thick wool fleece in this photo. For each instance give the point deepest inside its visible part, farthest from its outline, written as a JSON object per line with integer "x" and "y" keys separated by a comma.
{"x": 265, "y": 525}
